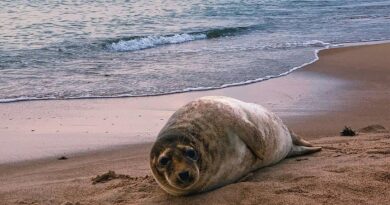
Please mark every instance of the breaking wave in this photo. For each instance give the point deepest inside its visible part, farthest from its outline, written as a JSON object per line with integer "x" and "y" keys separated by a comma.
{"x": 143, "y": 42}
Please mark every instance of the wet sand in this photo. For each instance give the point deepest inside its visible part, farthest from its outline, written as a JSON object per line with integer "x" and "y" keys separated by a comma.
{"x": 347, "y": 86}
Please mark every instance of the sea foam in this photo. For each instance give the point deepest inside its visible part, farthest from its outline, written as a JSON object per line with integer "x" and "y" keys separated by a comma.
{"x": 153, "y": 41}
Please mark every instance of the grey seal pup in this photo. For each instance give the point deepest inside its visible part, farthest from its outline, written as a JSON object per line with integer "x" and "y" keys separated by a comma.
{"x": 214, "y": 141}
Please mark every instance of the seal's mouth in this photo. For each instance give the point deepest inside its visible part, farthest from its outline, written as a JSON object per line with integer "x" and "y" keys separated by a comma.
{"x": 184, "y": 180}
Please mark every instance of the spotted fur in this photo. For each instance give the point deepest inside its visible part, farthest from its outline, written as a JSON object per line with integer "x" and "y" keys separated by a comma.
{"x": 231, "y": 137}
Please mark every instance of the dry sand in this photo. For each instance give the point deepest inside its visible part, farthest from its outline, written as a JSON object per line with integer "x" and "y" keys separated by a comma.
{"x": 347, "y": 86}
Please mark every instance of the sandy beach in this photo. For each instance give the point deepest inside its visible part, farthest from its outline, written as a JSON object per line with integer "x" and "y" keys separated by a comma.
{"x": 347, "y": 86}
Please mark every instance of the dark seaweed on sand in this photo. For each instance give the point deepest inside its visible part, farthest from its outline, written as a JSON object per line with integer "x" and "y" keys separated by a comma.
{"x": 347, "y": 131}
{"x": 62, "y": 158}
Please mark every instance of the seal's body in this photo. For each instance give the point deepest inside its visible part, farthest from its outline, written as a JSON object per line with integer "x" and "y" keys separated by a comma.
{"x": 214, "y": 141}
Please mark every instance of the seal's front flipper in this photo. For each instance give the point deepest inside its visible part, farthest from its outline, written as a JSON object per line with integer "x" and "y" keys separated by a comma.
{"x": 251, "y": 136}
{"x": 301, "y": 150}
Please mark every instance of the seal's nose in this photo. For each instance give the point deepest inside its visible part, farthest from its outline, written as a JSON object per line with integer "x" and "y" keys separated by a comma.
{"x": 184, "y": 176}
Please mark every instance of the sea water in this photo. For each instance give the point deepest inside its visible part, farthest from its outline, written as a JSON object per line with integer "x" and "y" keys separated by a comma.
{"x": 94, "y": 48}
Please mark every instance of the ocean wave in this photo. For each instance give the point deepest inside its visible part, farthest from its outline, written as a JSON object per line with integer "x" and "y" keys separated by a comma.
{"x": 143, "y": 42}
{"x": 190, "y": 89}
{"x": 224, "y": 32}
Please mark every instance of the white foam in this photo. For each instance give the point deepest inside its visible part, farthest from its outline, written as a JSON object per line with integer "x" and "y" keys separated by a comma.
{"x": 316, "y": 43}
{"x": 153, "y": 41}
{"x": 288, "y": 45}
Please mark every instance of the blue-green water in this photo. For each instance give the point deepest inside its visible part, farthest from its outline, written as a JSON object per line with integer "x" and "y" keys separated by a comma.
{"x": 81, "y": 49}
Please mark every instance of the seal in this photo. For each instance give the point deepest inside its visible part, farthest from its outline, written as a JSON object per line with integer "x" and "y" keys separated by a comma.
{"x": 215, "y": 140}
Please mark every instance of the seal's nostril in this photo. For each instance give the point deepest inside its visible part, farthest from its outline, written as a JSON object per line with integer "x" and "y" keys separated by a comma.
{"x": 184, "y": 176}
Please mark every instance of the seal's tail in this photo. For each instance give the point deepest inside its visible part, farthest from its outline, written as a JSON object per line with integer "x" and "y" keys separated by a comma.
{"x": 301, "y": 146}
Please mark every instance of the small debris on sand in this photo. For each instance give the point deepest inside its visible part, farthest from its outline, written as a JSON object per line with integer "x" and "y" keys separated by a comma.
{"x": 110, "y": 175}
{"x": 301, "y": 159}
{"x": 62, "y": 158}
{"x": 347, "y": 131}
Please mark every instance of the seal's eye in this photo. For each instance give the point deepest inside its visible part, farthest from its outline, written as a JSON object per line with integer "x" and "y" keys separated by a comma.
{"x": 164, "y": 161}
{"x": 191, "y": 153}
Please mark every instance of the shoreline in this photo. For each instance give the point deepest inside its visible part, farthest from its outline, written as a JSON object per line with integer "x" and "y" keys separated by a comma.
{"x": 346, "y": 86}
{"x": 68, "y": 125}
{"x": 201, "y": 89}
{"x": 186, "y": 90}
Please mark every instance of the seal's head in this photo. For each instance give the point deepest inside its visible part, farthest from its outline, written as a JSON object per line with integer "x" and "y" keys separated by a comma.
{"x": 175, "y": 160}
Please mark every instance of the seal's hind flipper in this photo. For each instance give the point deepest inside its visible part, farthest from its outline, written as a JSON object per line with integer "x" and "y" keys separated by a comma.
{"x": 301, "y": 146}
{"x": 297, "y": 140}
{"x": 301, "y": 150}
